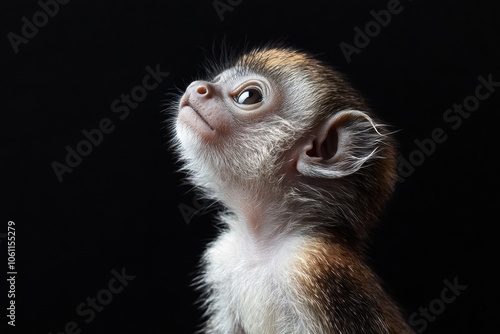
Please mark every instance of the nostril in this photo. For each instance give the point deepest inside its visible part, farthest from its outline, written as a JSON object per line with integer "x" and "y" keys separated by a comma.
{"x": 201, "y": 90}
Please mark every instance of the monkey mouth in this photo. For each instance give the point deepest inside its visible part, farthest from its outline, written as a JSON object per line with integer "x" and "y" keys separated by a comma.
{"x": 186, "y": 104}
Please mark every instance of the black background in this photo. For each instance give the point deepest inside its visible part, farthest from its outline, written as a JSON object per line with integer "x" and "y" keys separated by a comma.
{"x": 120, "y": 207}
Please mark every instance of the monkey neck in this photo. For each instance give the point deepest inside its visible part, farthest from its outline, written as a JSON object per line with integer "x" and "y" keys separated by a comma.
{"x": 264, "y": 217}
{"x": 257, "y": 212}
{"x": 276, "y": 214}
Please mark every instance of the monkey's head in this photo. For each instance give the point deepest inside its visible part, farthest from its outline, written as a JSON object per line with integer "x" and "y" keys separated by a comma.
{"x": 279, "y": 132}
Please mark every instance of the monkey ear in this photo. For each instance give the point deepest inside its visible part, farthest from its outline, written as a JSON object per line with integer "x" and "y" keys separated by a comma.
{"x": 340, "y": 146}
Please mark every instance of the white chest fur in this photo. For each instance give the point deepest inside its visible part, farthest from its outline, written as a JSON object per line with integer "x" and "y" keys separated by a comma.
{"x": 250, "y": 289}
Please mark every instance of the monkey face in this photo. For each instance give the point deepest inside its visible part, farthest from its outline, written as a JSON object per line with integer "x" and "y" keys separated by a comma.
{"x": 233, "y": 127}
{"x": 221, "y": 110}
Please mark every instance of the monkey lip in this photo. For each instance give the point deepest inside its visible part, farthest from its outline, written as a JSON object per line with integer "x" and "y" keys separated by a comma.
{"x": 187, "y": 105}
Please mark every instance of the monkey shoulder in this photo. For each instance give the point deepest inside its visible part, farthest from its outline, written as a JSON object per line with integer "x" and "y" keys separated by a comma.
{"x": 340, "y": 293}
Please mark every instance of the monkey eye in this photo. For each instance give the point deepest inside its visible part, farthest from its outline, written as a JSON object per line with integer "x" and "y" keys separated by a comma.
{"x": 249, "y": 96}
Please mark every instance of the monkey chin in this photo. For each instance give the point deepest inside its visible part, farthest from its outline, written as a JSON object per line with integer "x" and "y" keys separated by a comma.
{"x": 190, "y": 117}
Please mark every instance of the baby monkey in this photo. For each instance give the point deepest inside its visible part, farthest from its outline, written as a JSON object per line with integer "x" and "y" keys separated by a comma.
{"x": 304, "y": 170}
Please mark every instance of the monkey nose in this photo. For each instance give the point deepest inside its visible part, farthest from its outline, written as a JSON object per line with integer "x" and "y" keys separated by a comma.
{"x": 201, "y": 89}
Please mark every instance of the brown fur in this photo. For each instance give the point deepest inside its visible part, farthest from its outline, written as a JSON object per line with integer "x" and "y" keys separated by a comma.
{"x": 342, "y": 291}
